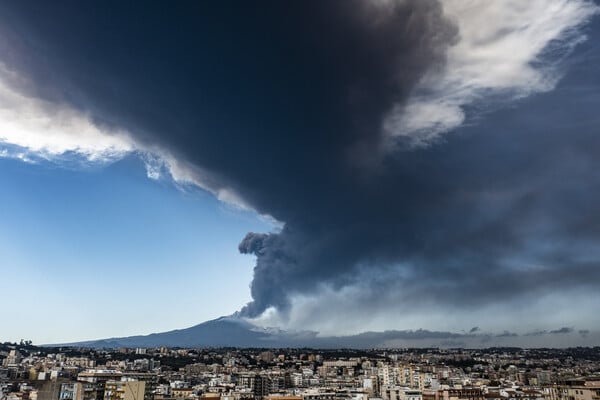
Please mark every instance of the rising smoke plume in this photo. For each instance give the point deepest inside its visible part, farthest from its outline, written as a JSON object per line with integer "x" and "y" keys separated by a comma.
{"x": 290, "y": 108}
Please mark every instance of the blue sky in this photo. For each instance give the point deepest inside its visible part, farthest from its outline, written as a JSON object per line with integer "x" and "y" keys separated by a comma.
{"x": 105, "y": 251}
{"x": 429, "y": 164}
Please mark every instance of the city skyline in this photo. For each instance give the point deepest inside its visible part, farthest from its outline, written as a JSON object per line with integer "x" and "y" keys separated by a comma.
{"x": 333, "y": 167}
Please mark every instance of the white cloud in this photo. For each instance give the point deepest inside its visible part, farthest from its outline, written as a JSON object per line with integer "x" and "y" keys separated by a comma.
{"x": 185, "y": 173}
{"x": 507, "y": 49}
{"x": 34, "y": 128}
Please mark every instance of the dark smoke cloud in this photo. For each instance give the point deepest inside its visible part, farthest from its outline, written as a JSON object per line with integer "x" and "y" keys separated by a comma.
{"x": 284, "y": 102}
{"x": 561, "y": 331}
{"x": 537, "y": 333}
{"x": 507, "y": 334}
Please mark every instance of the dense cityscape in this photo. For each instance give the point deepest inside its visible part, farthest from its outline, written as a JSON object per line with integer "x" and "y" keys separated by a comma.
{"x": 43, "y": 373}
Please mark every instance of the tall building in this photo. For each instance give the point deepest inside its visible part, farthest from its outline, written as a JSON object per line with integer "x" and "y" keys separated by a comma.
{"x": 14, "y": 358}
{"x": 124, "y": 390}
{"x": 261, "y": 386}
{"x": 94, "y": 381}
{"x": 574, "y": 390}
{"x": 71, "y": 391}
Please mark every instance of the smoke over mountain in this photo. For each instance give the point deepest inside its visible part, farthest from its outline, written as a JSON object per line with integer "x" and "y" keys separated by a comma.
{"x": 327, "y": 117}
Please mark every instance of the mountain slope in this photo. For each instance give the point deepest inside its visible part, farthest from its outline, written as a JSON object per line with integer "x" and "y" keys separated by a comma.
{"x": 232, "y": 331}
{"x": 220, "y": 332}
